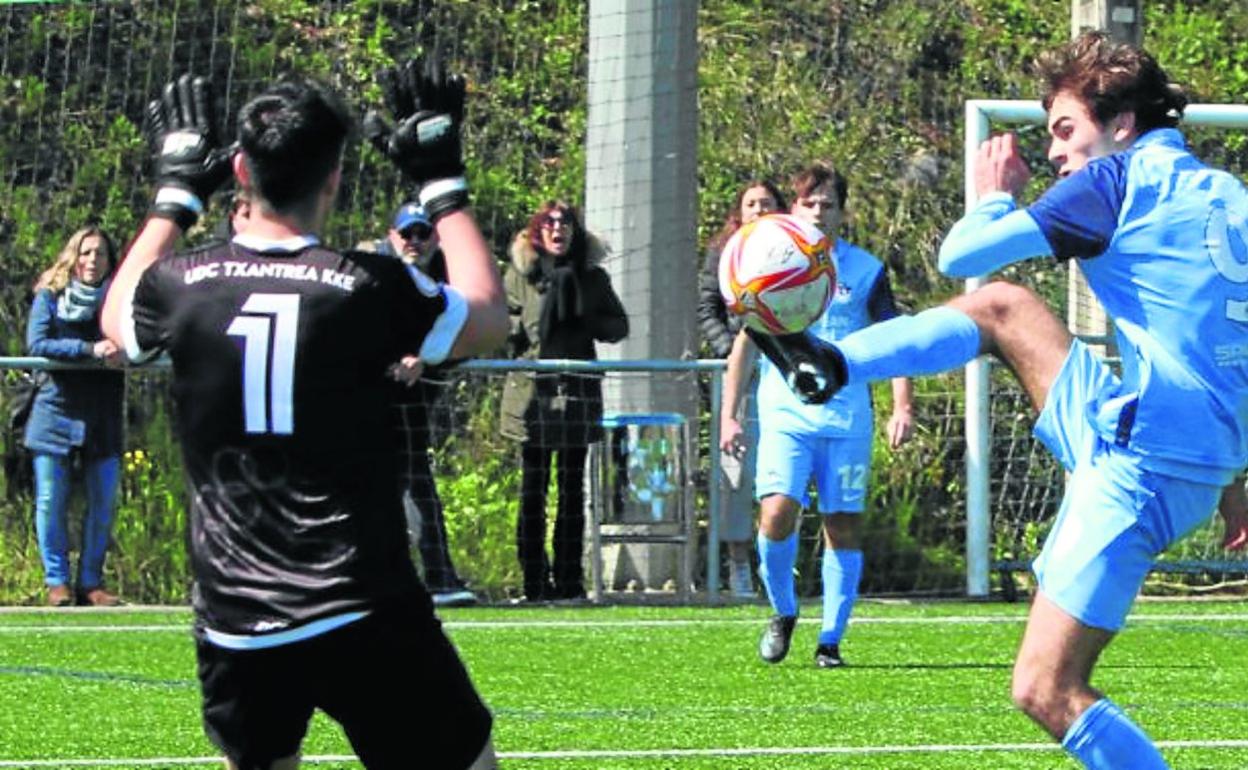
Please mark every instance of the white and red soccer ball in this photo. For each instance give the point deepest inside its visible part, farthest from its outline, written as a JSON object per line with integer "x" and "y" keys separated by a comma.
{"x": 777, "y": 274}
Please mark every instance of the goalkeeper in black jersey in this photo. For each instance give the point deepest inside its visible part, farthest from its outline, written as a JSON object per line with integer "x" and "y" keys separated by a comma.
{"x": 305, "y": 595}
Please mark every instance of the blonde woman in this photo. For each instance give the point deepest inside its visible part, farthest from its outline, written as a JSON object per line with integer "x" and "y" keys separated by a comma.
{"x": 76, "y": 416}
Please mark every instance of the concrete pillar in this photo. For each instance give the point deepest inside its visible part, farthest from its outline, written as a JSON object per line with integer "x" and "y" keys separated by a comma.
{"x": 641, "y": 185}
{"x": 641, "y": 199}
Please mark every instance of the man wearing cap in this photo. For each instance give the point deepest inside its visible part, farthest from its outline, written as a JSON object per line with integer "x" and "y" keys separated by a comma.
{"x": 412, "y": 239}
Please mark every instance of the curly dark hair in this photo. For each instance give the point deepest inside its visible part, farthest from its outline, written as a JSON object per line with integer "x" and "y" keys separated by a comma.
{"x": 1112, "y": 78}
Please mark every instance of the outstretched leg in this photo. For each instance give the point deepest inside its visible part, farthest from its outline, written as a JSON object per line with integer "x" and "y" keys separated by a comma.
{"x": 1021, "y": 331}
{"x": 1000, "y": 319}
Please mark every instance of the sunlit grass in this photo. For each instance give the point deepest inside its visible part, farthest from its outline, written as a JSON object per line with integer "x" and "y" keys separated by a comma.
{"x": 619, "y": 680}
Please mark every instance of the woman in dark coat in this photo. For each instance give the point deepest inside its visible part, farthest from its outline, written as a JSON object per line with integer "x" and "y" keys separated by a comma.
{"x": 561, "y": 302}
{"x": 75, "y": 413}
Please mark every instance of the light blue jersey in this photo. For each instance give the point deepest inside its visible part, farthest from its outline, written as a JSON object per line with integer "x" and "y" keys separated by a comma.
{"x": 1163, "y": 242}
{"x": 862, "y": 297}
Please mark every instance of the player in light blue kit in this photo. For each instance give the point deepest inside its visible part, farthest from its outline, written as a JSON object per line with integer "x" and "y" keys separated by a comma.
{"x": 1163, "y": 242}
{"x": 830, "y": 443}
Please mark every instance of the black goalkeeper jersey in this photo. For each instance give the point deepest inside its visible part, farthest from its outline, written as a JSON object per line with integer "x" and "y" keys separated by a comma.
{"x": 285, "y": 420}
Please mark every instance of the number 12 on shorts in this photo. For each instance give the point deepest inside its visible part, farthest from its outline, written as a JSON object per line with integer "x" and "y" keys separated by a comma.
{"x": 853, "y": 480}
{"x": 268, "y": 325}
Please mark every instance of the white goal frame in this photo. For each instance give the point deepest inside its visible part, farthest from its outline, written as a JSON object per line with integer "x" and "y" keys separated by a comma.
{"x": 980, "y": 114}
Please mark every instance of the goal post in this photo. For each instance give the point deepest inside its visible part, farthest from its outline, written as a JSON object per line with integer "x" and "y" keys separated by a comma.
{"x": 981, "y": 114}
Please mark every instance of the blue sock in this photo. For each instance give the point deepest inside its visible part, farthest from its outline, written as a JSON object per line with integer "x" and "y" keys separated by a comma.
{"x": 842, "y": 570}
{"x": 1104, "y": 738}
{"x": 931, "y": 342}
{"x": 775, "y": 569}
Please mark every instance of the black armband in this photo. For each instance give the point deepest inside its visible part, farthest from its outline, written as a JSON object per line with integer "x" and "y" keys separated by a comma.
{"x": 443, "y": 196}
{"x": 177, "y": 204}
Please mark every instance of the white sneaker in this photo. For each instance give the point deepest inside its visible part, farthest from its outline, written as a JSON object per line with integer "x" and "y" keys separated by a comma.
{"x": 741, "y": 580}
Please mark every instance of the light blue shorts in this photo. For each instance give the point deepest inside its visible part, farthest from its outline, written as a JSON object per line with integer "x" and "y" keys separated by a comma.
{"x": 840, "y": 467}
{"x": 1116, "y": 516}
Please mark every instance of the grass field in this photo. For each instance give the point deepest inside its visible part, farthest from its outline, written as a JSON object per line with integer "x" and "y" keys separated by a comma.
{"x": 647, "y": 688}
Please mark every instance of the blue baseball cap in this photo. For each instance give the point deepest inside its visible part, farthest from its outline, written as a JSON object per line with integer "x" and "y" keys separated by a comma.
{"x": 410, "y": 214}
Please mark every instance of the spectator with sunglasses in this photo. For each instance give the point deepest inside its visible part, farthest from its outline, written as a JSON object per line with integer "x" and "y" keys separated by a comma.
{"x": 561, "y": 302}
{"x": 412, "y": 239}
{"x": 409, "y": 238}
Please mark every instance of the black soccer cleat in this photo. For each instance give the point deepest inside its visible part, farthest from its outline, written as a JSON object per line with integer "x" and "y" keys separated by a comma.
{"x": 775, "y": 642}
{"x": 828, "y": 656}
{"x": 813, "y": 369}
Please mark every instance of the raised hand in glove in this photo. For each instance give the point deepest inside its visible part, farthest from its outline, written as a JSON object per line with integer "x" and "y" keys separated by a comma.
{"x": 190, "y": 165}
{"x": 813, "y": 369}
{"x": 428, "y": 108}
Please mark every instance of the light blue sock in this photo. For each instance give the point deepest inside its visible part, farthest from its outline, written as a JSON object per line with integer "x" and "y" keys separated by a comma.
{"x": 931, "y": 342}
{"x": 776, "y": 559}
{"x": 1104, "y": 738}
{"x": 842, "y": 571}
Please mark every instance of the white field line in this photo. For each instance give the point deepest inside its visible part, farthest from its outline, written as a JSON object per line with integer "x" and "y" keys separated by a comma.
{"x": 642, "y": 623}
{"x": 781, "y": 751}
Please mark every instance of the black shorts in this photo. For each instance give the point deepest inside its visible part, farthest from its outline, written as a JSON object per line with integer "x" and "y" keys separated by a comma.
{"x": 391, "y": 679}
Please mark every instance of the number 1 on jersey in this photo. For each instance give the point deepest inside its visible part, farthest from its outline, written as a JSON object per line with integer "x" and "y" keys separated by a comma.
{"x": 268, "y": 325}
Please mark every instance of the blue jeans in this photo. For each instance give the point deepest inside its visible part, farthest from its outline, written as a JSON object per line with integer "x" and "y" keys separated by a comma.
{"x": 53, "y": 480}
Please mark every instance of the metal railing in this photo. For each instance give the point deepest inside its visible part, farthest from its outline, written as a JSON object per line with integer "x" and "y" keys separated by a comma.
{"x": 713, "y": 368}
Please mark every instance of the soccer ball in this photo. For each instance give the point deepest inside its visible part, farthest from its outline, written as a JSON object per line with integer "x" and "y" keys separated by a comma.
{"x": 777, "y": 274}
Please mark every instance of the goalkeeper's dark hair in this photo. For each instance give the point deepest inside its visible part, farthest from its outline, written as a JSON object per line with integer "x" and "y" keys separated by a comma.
{"x": 292, "y": 136}
{"x": 1112, "y": 78}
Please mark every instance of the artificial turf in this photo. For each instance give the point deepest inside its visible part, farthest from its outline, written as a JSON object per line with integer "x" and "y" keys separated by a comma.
{"x": 650, "y": 687}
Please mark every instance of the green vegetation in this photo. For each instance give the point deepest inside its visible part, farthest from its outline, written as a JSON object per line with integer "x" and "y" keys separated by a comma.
{"x": 876, "y": 86}
{"x": 621, "y": 680}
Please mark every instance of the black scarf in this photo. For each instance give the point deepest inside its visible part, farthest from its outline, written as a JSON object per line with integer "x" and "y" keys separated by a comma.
{"x": 562, "y": 300}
